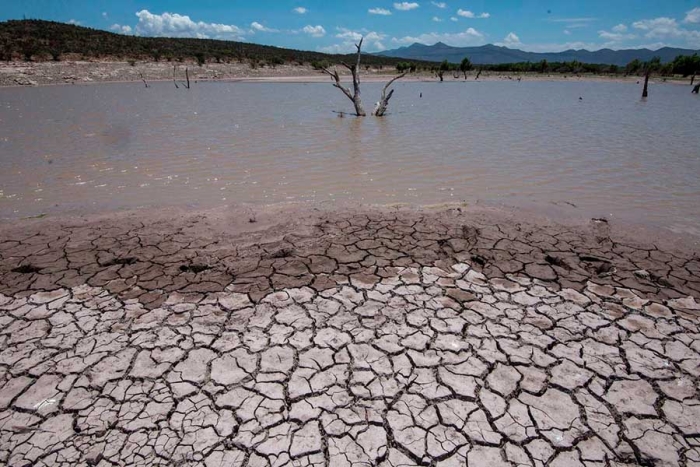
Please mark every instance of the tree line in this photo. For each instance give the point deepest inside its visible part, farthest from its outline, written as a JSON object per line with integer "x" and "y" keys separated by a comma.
{"x": 684, "y": 65}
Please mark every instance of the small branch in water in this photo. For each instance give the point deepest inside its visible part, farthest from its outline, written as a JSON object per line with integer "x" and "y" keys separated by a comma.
{"x": 175, "y": 82}
{"x": 187, "y": 76}
{"x": 477, "y": 75}
{"x": 143, "y": 79}
{"x": 645, "y": 91}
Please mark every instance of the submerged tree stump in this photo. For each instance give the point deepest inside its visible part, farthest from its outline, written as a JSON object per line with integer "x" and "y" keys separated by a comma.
{"x": 645, "y": 91}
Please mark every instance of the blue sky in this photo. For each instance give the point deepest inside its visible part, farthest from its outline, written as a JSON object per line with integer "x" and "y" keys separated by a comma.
{"x": 334, "y": 25}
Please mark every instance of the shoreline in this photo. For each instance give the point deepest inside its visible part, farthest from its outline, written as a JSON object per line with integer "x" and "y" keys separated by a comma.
{"x": 275, "y": 221}
{"x": 33, "y": 74}
{"x": 537, "y": 214}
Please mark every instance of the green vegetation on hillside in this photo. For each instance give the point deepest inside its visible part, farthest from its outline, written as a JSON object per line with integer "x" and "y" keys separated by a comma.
{"x": 47, "y": 40}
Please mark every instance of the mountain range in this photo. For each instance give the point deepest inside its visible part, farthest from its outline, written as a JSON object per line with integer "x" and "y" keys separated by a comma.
{"x": 494, "y": 55}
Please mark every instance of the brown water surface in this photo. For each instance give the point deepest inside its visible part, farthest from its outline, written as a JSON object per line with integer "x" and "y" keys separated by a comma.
{"x": 116, "y": 146}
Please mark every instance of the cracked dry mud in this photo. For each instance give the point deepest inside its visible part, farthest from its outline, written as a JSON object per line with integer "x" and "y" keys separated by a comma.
{"x": 364, "y": 338}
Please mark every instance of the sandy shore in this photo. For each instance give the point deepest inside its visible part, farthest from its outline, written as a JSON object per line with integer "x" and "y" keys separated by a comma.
{"x": 83, "y": 72}
{"x": 373, "y": 336}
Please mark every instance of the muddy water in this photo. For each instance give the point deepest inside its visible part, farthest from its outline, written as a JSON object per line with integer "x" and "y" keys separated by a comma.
{"x": 115, "y": 146}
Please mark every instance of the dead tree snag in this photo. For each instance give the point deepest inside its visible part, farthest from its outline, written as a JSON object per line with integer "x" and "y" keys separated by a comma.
{"x": 645, "y": 91}
{"x": 355, "y": 96}
{"x": 380, "y": 108}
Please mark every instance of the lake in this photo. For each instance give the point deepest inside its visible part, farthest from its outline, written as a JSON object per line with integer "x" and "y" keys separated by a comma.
{"x": 589, "y": 148}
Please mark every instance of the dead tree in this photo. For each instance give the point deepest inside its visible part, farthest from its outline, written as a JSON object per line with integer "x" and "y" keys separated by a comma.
{"x": 477, "y": 75}
{"x": 143, "y": 79}
{"x": 380, "y": 108}
{"x": 355, "y": 96}
{"x": 187, "y": 76}
{"x": 645, "y": 91}
{"x": 692, "y": 80}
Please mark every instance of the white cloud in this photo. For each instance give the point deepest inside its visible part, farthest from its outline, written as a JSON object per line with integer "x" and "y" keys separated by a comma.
{"x": 406, "y": 6}
{"x": 74, "y": 21}
{"x": 511, "y": 40}
{"x": 668, "y": 29}
{"x": 372, "y": 41}
{"x": 658, "y": 27}
{"x": 121, "y": 29}
{"x": 471, "y": 15}
{"x": 357, "y": 35}
{"x": 300, "y": 10}
{"x": 693, "y": 16}
{"x": 175, "y": 25}
{"x": 255, "y": 26}
{"x": 468, "y": 37}
{"x": 616, "y": 36}
{"x": 379, "y": 11}
{"x": 454, "y": 18}
{"x": 567, "y": 32}
{"x": 441, "y": 5}
{"x": 620, "y": 28}
{"x": 105, "y": 15}
{"x": 314, "y": 31}
{"x": 437, "y": 20}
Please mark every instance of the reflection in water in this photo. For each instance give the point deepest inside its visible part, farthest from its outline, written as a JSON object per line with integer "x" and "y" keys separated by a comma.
{"x": 121, "y": 146}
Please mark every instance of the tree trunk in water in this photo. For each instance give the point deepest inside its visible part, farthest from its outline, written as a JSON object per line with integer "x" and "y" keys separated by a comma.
{"x": 645, "y": 92}
{"x": 696, "y": 89}
{"x": 692, "y": 80}
{"x": 187, "y": 75}
{"x": 175, "y": 82}
{"x": 441, "y": 75}
{"x": 354, "y": 96}
{"x": 477, "y": 76}
{"x": 466, "y": 74}
{"x": 383, "y": 103}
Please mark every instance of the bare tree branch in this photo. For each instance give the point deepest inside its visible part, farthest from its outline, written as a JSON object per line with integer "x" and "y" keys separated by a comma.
{"x": 334, "y": 74}
{"x": 355, "y": 95}
{"x": 383, "y": 103}
{"x": 359, "y": 52}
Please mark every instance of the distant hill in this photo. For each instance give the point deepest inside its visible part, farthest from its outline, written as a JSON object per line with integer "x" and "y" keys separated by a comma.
{"x": 494, "y": 55}
{"x": 37, "y": 39}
